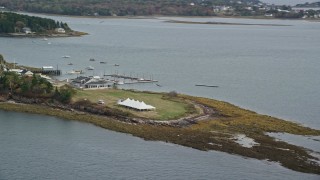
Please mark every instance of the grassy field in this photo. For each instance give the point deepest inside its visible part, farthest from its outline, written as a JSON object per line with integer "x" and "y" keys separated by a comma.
{"x": 165, "y": 109}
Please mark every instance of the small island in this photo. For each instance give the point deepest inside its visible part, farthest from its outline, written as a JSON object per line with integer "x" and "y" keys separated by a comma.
{"x": 196, "y": 122}
{"x": 18, "y": 25}
{"x": 223, "y": 23}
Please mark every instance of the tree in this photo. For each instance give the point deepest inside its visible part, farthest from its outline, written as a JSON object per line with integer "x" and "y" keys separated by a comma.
{"x": 65, "y": 94}
{"x": 10, "y": 81}
{"x": 25, "y": 87}
{"x": 172, "y": 94}
{"x": 20, "y": 25}
{"x": 1, "y": 59}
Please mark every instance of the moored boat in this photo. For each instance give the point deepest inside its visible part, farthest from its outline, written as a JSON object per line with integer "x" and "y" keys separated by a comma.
{"x": 75, "y": 72}
{"x": 90, "y": 68}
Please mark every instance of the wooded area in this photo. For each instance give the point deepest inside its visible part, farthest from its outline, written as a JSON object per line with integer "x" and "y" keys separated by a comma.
{"x": 121, "y": 7}
{"x": 14, "y": 23}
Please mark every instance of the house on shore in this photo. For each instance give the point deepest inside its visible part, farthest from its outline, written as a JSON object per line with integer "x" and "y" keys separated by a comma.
{"x": 93, "y": 82}
{"x": 60, "y": 30}
{"x": 26, "y": 30}
{"x": 98, "y": 84}
{"x": 26, "y": 73}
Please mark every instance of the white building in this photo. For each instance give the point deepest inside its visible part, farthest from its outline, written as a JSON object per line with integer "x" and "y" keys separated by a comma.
{"x": 98, "y": 84}
{"x": 60, "y": 30}
{"x": 47, "y": 67}
{"x": 26, "y": 73}
{"x": 26, "y": 30}
{"x": 91, "y": 82}
{"x": 18, "y": 71}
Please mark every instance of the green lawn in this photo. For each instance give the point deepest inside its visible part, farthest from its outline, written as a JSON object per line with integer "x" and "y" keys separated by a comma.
{"x": 165, "y": 109}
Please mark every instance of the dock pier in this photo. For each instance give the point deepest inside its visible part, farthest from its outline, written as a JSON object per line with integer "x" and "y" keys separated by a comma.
{"x": 133, "y": 79}
{"x": 48, "y": 72}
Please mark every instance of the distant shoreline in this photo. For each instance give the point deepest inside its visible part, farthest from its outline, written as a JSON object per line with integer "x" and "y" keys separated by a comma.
{"x": 22, "y": 35}
{"x": 224, "y": 23}
{"x": 163, "y": 16}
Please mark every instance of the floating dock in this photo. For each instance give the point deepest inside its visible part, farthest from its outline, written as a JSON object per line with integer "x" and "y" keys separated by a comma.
{"x": 203, "y": 85}
{"x": 121, "y": 76}
{"x": 135, "y": 79}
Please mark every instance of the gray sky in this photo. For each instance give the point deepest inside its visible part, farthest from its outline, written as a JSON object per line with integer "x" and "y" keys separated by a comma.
{"x": 288, "y": 2}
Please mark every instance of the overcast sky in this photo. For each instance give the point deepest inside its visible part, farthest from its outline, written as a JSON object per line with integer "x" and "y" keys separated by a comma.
{"x": 288, "y": 2}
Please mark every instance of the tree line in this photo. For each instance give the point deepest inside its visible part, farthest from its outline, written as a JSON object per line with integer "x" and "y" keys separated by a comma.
{"x": 13, "y": 22}
{"x": 35, "y": 86}
{"x": 121, "y": 7}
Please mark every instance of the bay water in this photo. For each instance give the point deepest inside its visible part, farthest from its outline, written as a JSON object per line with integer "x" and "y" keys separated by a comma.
{"x": 273, "y": 70}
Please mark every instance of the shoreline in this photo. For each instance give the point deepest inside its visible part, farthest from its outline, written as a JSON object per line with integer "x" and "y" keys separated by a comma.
{"x": 156, "y": 16}
{"x": 23, "y": 35}
{"x": 223, "y": 23}
{"x": 212, "y": 133}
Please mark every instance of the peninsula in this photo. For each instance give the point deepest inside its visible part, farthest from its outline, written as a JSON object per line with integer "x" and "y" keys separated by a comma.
{"x": 195, "y": 122}
{"x": 19, "y": 25}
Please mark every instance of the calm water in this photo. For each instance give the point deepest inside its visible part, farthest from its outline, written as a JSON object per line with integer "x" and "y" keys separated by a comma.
{"x": 271, "y": 70}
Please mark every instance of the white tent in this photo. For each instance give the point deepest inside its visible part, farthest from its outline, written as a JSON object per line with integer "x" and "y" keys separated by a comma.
{"x": 131, "y": 103}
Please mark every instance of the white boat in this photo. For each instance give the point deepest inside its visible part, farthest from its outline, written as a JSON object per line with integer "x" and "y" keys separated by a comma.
{"x": 79, "y": 71}
{"x": 120, "y": 82}
{"x": 90, "y": 68}
{"x": 75, "y": 72}
{"x": 66, "y": 56}
{"x": 71, "y": 72}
